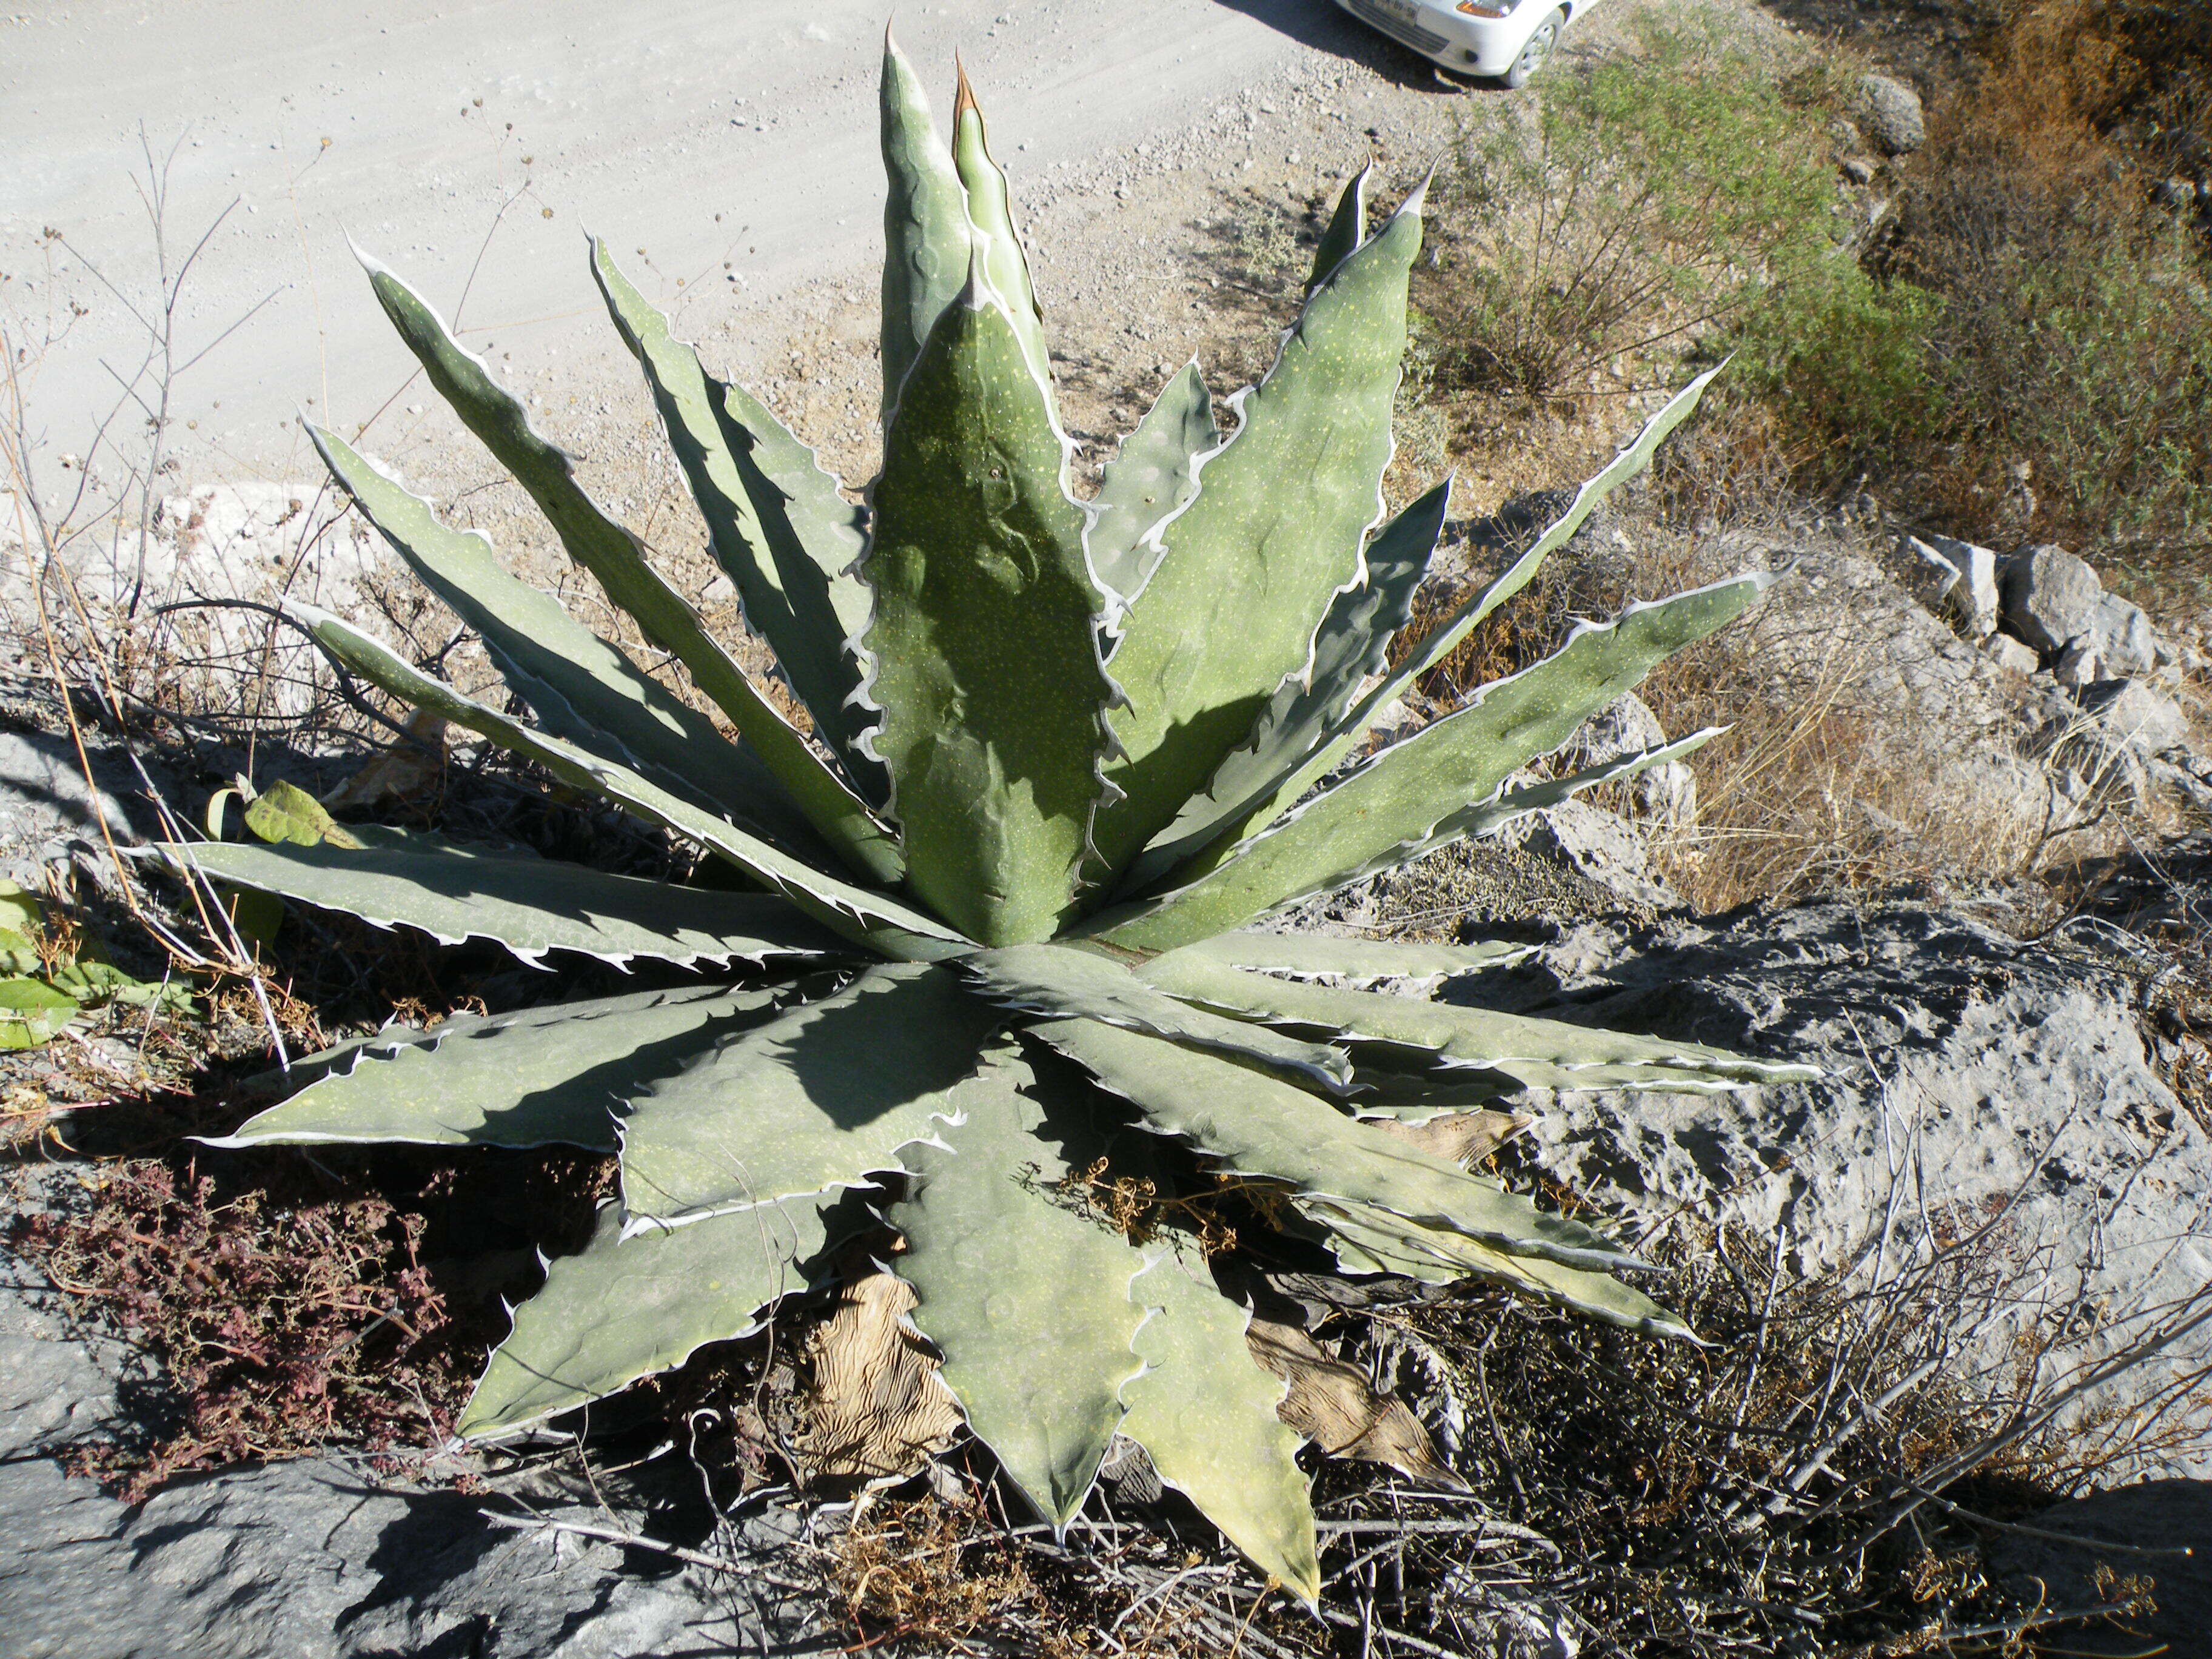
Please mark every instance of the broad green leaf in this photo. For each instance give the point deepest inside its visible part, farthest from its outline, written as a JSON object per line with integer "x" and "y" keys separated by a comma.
{"x": 19, "y": 952}
{"x": 997, "y": 238}
{"x": 1258, "y": 1126}
{"x": 1056, "y": 981}
{"x": 857, "y": 913}
{"x": 541, "y": 1076}
{"x": 926, "y": 234}
{"x": 984, "y": 636}
{"x": 1205, "y": 1412}
{"x": 31, "y": 1012}
{"x": 1273, "y": 535}
{"x": 617, "y": 558}
{"x": 1371, "y": 1240}
{"x": 1352, "y": 644}
{"x": 622, "y": 1309}
{"x": 531, "y": 906}
{"x": 21, "y": 912}
{"x": 1152, "y": 477}
{"x": 1025, "y": 1295}
{"x": 1392, "y": 805}
{"x": 774, "y": 519}
{"x": 286, "y": 812}
{"x": 1446, "y": 1034}
{"x": 1357, "y": 961}
{"x": 1440, "y": 641}
{"x": 814, "y": 1099}
{"x": 581, "y": 687}
{"x": 1347, "y": 229}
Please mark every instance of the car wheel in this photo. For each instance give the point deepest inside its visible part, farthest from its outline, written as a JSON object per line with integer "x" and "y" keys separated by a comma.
{"x": 1536, "y": 49}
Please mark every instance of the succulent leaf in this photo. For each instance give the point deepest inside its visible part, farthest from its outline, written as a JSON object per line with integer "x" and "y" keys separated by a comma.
{"x": 1353, "y": 642}
{"x": 1632, "y": 459}
{"x": 1205, "y": 1412}
{"x": 814, "y": 1099}
{"x": 617, "y": 558}
{"x": 778, "y": 525}
{"x": 998, "y": 239}
{"x": 1152, "y": 477}
{"x": 1391, "y": 807}
{"x": 1027, "y": 1296}
{"x": 544, "y": 1077}
{"x": 1054, "y": 980}
{"x": 1356, "y": 962}
{"x": 530, "y": 905}
{"x": 1447, "y": 1034}
{"x": 1347, "y": 229}
{"x": 1259, "y": 1127}
{"x": 926, "y": 234}
{"x": 1365, "y": 1239}
{"x": 984, "y": 636}
{"x": 857, "y": 913}
{"x": 622, "y": 1309}
{"x": 1273, "y": 533}
{"x": 580, "y": 686}
{"x": 1510, "y": 804}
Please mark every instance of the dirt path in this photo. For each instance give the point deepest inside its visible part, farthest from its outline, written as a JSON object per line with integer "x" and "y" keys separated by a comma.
{"x": 727, "y": 151}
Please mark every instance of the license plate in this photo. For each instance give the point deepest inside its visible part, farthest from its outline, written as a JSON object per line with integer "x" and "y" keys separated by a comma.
{"x": 1401, "y": 10}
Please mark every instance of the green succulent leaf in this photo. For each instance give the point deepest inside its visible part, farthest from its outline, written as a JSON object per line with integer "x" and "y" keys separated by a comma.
{"x": 1205, "y": 1412}
{"x": 1152, "y": 477}
{"x": 856, "y": 912}
{"x": 1391, "y": 807}
{"x": 1353, "y": 643}
{"x": 1347, "y": 229}
{"x": 1442, "y": 640}
{"x": 617, "y": 558}
{"x": 1054, "y": 980}
{"x": 1444, "y": 1034}
{"x": 1260, "y": 1127}
{"x": 1026, "y": 1296}
{"x": 1366, "y": 1239}
{"x": 622, "y": 1309}
{"x": 926, "y": 234}
{"x": 984, "y": 636}
{"x": 31, "y": 1012}
{"x": 1272, "y": 534}
{"x": 1510, "y": 804}
{"x": 778, "y": 525}
{"x": 814, "y": 1099}
{"x": 1355, "y": 960}
{"x": 997, "y": 238}
{"x": 530, "y": 905}
{"x": 543, "y": 1077}
{"x": 581, "y": 687}
{"x": 286, "y": 812}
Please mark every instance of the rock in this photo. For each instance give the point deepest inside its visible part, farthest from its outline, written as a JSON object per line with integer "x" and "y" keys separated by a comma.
{"x": 2169, "y": 1525}
{"x": 1858, "y": 170}
{"x": 2049, "y": 597}
{"x": 1927, "y": 572}
{"x": 2009, "y": 654}
{"x": 1973, "y": 598}
{"x": 1967, "y": 1071}
{"x": 1890, "y": 113}
{"x": 1664, "y": 794}
{"x": 2078, "y": 665}
{"x": 1849, "y": 139}
{"x": 2175, "y": 195}
{"x": 2125, "y": 641}
{"x": 1595, "y": 845}
{"x": 2136, "y": 715}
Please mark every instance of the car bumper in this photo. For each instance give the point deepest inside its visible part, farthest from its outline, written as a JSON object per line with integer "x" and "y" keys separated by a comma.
{"x": 1473, "y": 45}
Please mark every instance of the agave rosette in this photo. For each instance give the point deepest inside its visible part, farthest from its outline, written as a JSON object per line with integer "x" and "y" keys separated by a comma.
{"x": 1062, "y": 754}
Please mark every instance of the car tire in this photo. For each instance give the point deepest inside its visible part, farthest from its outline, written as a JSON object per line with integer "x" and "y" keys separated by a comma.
{"x": 1535, "y": 49}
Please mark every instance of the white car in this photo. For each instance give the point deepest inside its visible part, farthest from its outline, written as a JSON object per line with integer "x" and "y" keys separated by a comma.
{"x": 1507, "y": 38}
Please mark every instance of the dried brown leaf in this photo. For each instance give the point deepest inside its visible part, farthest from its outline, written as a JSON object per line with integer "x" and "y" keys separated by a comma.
{"x": 1332, "y": 1404}
{"x": 874, "y": 1408}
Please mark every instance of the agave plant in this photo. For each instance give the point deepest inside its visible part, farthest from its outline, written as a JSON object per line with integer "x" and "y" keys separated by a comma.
{"x": 997, "y": 892}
